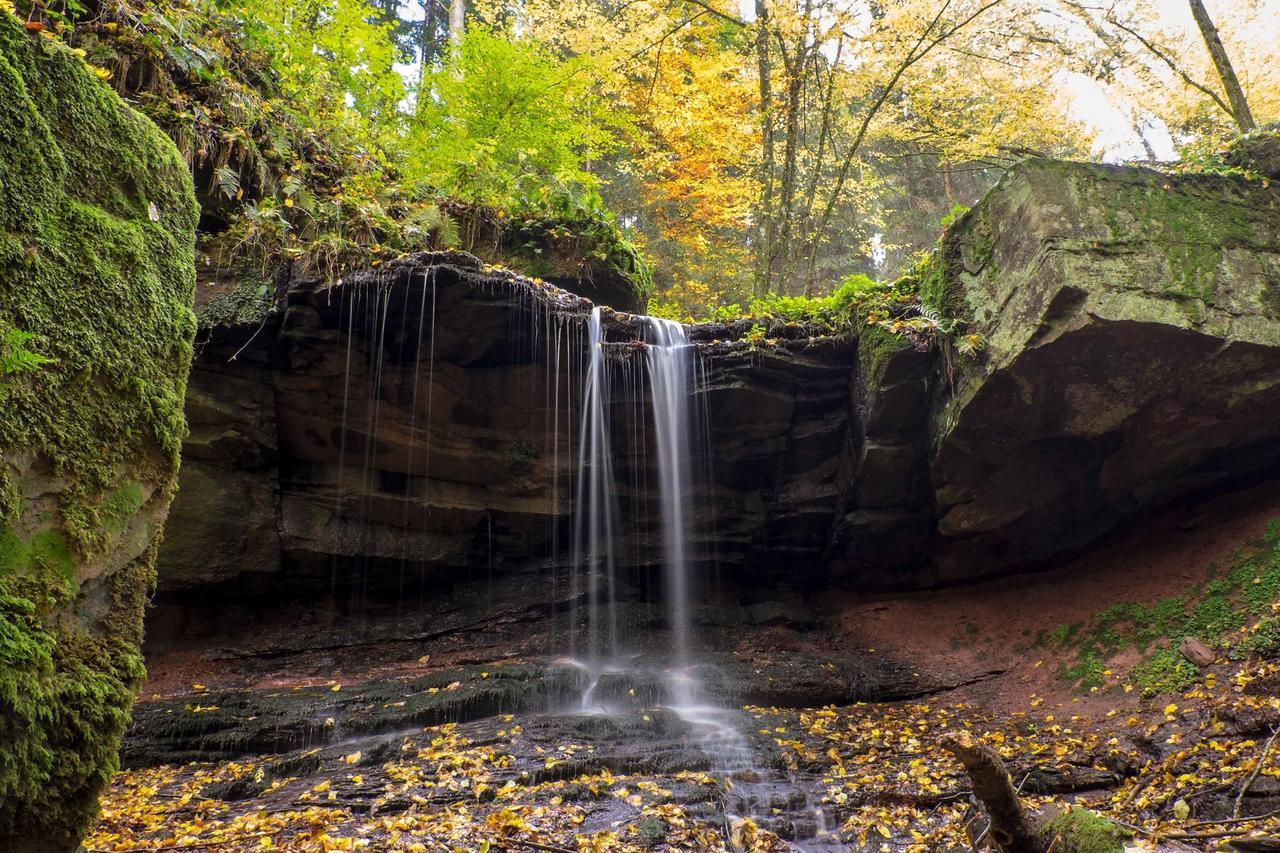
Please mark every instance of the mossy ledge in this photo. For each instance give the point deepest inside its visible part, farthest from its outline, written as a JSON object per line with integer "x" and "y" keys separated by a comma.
{"x": 97, "y": 233}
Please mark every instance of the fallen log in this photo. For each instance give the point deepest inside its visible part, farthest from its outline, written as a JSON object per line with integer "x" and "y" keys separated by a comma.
{"x": 1016, "y": 829}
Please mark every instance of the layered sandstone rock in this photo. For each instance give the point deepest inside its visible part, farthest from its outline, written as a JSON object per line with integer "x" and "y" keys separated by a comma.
{"x": 413, "y": 427}
{"x": 1132, "y": 322}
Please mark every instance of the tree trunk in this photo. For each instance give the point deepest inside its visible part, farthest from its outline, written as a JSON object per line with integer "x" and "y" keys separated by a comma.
{"x": 426, "y": 48}
{"x": 457, "y": 20}
{"x": 1011, "y": 830}
{"x": 797, "y": 75}
{"x": 1226, "y": 73}
{"x": 765, "y": 222}
{"x": 815, "y": 171}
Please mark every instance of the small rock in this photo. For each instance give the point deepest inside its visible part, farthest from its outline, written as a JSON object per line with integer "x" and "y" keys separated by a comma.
{"x": 1196, "y": 652}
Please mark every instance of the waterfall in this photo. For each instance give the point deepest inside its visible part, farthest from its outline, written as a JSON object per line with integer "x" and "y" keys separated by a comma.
{"x": 670, "y": 361}
{"x": 595, "y": 521}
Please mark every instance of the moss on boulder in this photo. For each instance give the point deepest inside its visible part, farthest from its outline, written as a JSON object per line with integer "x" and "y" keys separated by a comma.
{"x": 97, "y": 231}
{"x": 1132, "y": 329}
{"x": 1079, "y": 830}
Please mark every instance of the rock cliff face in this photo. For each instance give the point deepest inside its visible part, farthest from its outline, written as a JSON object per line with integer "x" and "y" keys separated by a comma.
{"x": 1133, "y": 357}
{"x": 97, "y": 222}
{"x": 415, "y": 427}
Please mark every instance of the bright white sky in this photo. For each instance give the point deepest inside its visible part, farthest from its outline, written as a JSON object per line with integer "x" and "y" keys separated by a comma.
{"x": 1116, "y": 138}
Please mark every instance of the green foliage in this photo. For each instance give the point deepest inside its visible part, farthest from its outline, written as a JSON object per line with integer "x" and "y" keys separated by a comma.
{"x": 1210, "y": 613}
{"x": 952, "y": 215}
{"x": 911, "y": 310}
{"x": 15, "y": 357}
{"x": 1264, "y": 639}
{"x": 860, "y": 303}
{"x": 755, "y": 336}
{"x": 1163, "y": 671}
{"x": 307, "y": 150}
{"x": 509, "y": 125}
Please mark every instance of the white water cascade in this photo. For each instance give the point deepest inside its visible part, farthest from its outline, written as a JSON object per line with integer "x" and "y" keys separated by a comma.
{"x": 672, "y": 369}
{"x": 669, "y": 360}
{"x": 595, "y": 521}
{"x": 670, "y": 365}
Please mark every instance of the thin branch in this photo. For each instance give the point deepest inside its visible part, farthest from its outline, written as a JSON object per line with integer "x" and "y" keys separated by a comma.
{"x": 1110, "y": 18}
{"x": 1257, "y": 768}
{"x": 1172, "y": 66}
{"x": 713, "y": 10}
{"x": 1234, "y": 820}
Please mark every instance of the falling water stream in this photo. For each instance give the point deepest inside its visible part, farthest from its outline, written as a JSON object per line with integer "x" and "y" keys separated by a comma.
{"x": 670, "y": 434}
{"x": 595, "y": 522}
{"x": 672, "y": 369}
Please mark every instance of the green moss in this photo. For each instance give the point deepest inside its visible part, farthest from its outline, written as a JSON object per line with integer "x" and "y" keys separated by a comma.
{"x": 1083, "y": 831}
{"x": 45, "y": 553}
{"x": 97, "y": 229}
{"x": 1164, "y": 671}
{"x": 1087, "y": 670}
{"x": 876, "y": 346}
{"x": 1062, "y": 635}
{"x": 120, "y": 506}
{"x": 248, "y": 304}
{"x": 1210, "y": 613}
{"x": 1190, "y": 220}
{"x": 650, "y": 831}
{"x": 967, "y": 243}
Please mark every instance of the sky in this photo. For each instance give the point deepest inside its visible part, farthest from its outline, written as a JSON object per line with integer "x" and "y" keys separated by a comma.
{"x": 1117, "y": 140}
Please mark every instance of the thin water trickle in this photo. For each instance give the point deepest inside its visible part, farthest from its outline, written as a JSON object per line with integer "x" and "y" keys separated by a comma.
{"x": 593, "y": 583}
{"x": 670, "y": 361}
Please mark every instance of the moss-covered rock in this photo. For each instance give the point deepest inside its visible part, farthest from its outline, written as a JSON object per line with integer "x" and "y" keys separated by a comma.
{"x": 587, "y": 256}
{"x": 1257, "y": 152}
{"x": 1132, "y": 329}
{"x": 1079, "y": 830}
{"x": 97, "y": 229}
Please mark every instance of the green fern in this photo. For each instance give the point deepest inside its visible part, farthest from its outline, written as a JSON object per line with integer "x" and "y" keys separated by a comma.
{"x": 16, "y": 357}
{"x": 228, "y": 181}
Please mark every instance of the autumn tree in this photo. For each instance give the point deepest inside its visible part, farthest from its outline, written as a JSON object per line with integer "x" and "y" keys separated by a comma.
{"x": 1167, "y": 77}
{"x": 1222, "y": 64}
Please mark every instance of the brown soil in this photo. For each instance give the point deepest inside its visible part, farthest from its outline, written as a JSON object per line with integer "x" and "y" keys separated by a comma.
{"x": 993, "y": 625}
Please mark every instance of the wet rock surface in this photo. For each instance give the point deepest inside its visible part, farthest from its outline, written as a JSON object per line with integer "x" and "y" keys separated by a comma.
{"x": 412, "y": 428}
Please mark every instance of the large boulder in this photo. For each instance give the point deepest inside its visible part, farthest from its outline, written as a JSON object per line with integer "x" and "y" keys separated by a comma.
{"x": 1132, "y": 329}
{"x": 97, "y": 224}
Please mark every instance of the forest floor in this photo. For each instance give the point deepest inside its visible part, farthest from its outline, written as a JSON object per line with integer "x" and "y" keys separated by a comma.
{"x": 1072, "y": 675}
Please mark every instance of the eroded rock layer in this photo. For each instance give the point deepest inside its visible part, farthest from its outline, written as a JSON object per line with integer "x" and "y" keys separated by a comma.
{"x": 414, "y": 427}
